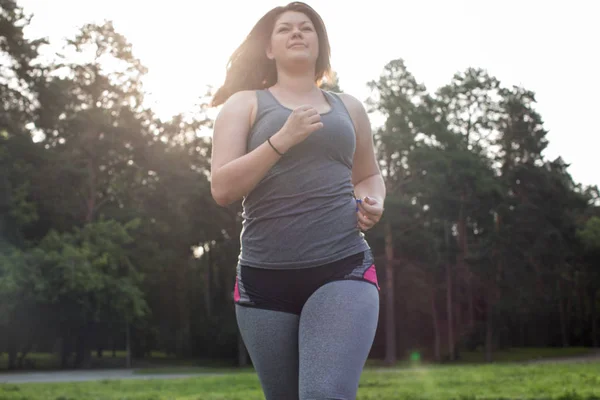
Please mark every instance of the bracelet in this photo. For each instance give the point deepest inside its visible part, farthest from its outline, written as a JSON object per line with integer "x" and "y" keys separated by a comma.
{"x": 276, "y": 151}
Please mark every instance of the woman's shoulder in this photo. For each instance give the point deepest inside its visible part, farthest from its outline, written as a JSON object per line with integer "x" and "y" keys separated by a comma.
{"x": 243, "y": 102}
{"x": 355, "y": 107}
{"x": 351, "y": 102}
{"x": 241, "y": 98}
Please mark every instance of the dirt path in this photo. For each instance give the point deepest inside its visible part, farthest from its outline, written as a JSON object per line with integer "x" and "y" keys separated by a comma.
{"x": 84, "y": 376}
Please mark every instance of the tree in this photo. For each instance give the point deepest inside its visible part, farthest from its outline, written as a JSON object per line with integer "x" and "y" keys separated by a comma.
{"x": 467, "y": 106}
{"x": 18, "y": 158}
{"x": 397, "y": 96}
{"x": 589, "y": 235}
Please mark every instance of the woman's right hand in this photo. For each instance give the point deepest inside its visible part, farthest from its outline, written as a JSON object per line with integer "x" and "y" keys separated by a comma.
{"x": 303, "y": 121}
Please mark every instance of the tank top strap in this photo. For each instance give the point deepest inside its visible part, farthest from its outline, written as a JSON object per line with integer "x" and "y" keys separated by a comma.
{"x": 334, "y": 100}
{"x": 265, "y": 99}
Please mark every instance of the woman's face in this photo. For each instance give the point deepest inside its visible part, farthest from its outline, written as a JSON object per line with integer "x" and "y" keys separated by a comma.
{"x": 294, "y": 39}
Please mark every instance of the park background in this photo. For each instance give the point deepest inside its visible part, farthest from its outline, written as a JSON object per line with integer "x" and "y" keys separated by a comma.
{"x": 113, "y": 252}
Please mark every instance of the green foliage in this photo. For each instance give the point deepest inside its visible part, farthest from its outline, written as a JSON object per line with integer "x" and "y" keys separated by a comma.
{"x": 87, "y": 272}
{"x": 10, "y": 261}
{"x": 590, "y": 234}
{"x": 90, "y": 268}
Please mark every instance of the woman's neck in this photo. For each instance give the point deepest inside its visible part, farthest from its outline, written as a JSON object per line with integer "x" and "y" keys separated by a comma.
{"x": 300, "y": 83}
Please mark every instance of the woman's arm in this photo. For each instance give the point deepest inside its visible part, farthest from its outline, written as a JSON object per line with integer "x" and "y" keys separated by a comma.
{"x": 369, "y": 186}
{"x": 233, "y": 172}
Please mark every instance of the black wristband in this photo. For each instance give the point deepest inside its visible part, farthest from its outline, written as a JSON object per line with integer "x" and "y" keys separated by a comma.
{"x": 276, "y": 151}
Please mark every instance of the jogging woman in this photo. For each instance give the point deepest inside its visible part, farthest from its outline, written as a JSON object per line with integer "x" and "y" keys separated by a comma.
{"x": 302, "y": 160}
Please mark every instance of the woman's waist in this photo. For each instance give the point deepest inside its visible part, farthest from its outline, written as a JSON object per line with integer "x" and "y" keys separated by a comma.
{"x": 290, "y": 207}
{"x": 299, "y": 244}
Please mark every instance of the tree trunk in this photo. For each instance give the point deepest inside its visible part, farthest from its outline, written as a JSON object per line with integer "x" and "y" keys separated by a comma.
{"x": 207, "y": 280}
{"x": 436, "y": 330}
{"x": 449, "y": 312}
{"x": 390, "y": 316}
{"x": 568, "y": 319}
{"x": 182, "y": 335}
{"x": 581, "y": 310}
{"x": 594, "y": 317}
{"x": 83, "y": 355}
{"x": 79, "y": 350}
{"x": 65, "y": 351}
{"x": 449, "y": 300}
{"x": 471, "y": 300}
{"x": 128, "y": 345}
{"x": 523, "y": 333}
{"x": 489, "y": 334}
{"x": 458, "y": 320}
{"x": 101, "y": 335}
{"x": 24, "y": 351}
{"x": 492, "y": 296}
{"x": 12, "y": 357}
{"x": 562, "y": 316}
{"x": 462, "y": 278}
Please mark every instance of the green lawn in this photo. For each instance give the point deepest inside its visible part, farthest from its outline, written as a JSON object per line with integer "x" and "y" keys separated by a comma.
{"x": 502, "y": 381}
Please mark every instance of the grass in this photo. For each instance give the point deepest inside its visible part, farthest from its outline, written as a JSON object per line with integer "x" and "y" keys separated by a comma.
{"x": 491, "y": 382}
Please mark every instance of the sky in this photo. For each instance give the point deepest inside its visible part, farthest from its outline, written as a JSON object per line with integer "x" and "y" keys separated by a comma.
{"x": 549, "y": 47}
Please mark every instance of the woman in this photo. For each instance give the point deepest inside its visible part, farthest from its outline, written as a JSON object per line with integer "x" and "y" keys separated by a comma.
{"x": 302, "y": 160}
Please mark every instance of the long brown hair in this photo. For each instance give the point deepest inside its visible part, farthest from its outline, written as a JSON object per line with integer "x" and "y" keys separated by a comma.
{"x": 249, "y": 68}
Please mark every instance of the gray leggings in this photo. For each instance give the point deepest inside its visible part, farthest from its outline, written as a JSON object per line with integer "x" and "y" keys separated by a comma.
{"x": 319, "y": 354}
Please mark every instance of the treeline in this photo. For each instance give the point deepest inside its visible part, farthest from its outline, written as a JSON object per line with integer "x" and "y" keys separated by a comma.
{"x": 109, "y": 236}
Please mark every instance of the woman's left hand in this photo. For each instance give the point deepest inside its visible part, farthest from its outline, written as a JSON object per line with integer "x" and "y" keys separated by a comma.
{"x": 369, "y": 212}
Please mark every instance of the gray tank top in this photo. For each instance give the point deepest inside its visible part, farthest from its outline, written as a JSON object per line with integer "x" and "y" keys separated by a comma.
{"x": 303, "y": 212}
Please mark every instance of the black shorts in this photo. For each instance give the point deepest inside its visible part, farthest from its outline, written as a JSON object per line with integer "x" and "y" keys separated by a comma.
{"x": 287, "y": 290}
